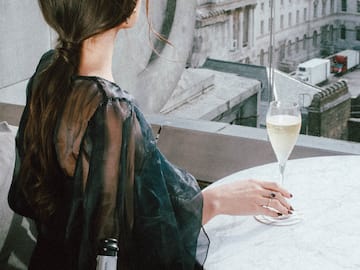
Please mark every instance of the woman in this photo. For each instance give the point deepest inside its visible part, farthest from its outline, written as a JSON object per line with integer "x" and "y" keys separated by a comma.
{"x": 88, "y": 166}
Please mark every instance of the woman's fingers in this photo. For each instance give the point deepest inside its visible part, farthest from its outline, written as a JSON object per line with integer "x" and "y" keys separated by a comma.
{"x": 271, "y": 213}
{"x": 275, "y": 206}
{"x": 273, "y": 186}
{"x": 278, "y": 196}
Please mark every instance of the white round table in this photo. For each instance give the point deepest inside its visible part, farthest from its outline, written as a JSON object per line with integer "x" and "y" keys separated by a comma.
{"x": 326, "y": 190}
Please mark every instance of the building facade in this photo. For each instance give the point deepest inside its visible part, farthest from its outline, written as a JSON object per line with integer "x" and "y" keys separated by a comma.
{"x": 298, "y": 30}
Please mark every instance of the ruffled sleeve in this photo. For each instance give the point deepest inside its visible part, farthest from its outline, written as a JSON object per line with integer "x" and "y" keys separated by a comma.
{"x": 124, "y": 187}
{"x": 168, "y": 211}
{"x": 92, "y": 150}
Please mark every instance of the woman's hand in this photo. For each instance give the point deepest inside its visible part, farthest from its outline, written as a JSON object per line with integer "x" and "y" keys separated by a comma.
{"x": 248, "y": 197}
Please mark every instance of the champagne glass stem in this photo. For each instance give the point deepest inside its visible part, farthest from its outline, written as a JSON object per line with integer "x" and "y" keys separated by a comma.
{"x": 282, "y": 170}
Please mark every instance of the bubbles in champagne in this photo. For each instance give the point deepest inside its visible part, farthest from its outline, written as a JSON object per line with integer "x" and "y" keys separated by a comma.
{"x": 283, "y": 131}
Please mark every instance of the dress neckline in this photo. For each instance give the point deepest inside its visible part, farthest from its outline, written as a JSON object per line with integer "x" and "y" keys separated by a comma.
{"x": 94, "y": 77}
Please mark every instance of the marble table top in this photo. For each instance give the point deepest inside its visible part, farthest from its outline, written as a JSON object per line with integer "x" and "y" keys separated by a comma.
{"x": 326, "y": 190}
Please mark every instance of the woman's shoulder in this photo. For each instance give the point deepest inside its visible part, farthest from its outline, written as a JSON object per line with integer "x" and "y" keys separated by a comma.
{"x": 91, "y": 94}
{"x": 93, "y": 85}
{"x": 88, "y": 87}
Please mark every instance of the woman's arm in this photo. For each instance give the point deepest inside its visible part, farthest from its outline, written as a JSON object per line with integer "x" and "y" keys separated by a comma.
{"x": 249, "y": 197}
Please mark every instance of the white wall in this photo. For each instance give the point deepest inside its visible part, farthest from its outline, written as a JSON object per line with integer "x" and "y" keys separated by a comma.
{"x": 25, "y": 37}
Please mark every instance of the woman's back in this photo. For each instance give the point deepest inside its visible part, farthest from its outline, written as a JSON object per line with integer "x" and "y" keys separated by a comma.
{"x": 115, "y": 184}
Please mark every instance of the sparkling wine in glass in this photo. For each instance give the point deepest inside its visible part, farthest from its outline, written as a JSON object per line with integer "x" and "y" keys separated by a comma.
{"x": 283, "y": 122}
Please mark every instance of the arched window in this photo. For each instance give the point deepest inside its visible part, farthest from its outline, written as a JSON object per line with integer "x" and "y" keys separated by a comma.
{"x": 342, "y": 32}
{"x": 331, "y": 33}
{"x": 297, "y": 45}
{"x": 282, "y": 52}
{"x": 289, "y": 48}
{"x": 324, "y": 34}
{"x": 315, "y": 39}
{"x": 357, "y": 33}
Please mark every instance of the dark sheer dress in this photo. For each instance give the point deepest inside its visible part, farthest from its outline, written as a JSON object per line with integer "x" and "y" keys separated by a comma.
{"x": 116, "y": 184}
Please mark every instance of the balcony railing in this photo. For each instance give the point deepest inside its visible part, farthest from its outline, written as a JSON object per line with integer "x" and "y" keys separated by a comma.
{"x": 212, "y": 150}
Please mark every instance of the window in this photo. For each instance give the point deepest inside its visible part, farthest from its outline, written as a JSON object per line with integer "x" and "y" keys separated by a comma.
{"x": 305, "y": 14}
{"x": 342, "y": 32}
{"x": 262, "y": 27}
{"x": 315, "y": 39}
{"x": 331, "y": 33}
{"x": 262, "y": 6}
{"x": 343, "y": 5}
{"x": 304, "y": 42}
{"x": 246, "y": 26}
{"x": 281, "y": 21}
{"x": 358, "y": 33}
{"x": 297, "y": 17}
{"x": 315, "y": 9}
{"x": 358, "y": 6}
{"x": 290, "y": 19}
{"x": 324, "y": 34}
{"x": 323, "y": 10}
{"x": 282, "y": 52}
{"x": 297, "y": 45}
{"x": 289, "y": 48}
{"x": 332, "y": 6}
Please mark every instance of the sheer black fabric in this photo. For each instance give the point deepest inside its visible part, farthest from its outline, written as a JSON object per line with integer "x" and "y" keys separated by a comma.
{"x": 116, "y": 184}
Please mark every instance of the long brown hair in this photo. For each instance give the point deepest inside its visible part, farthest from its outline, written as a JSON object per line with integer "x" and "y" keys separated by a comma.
{"x": 74, "y": 21}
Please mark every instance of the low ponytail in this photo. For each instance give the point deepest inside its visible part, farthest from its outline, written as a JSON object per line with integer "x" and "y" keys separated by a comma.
{"x": 40, "y": 170}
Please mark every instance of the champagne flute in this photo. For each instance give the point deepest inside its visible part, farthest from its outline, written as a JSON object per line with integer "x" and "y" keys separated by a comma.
{"x": 283, "y": 122}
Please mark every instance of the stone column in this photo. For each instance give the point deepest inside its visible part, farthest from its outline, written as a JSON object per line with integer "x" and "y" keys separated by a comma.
{"x": 251, "y": 26}
{"x": 241, "y": 28}
{"x": 231, "y": 29}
